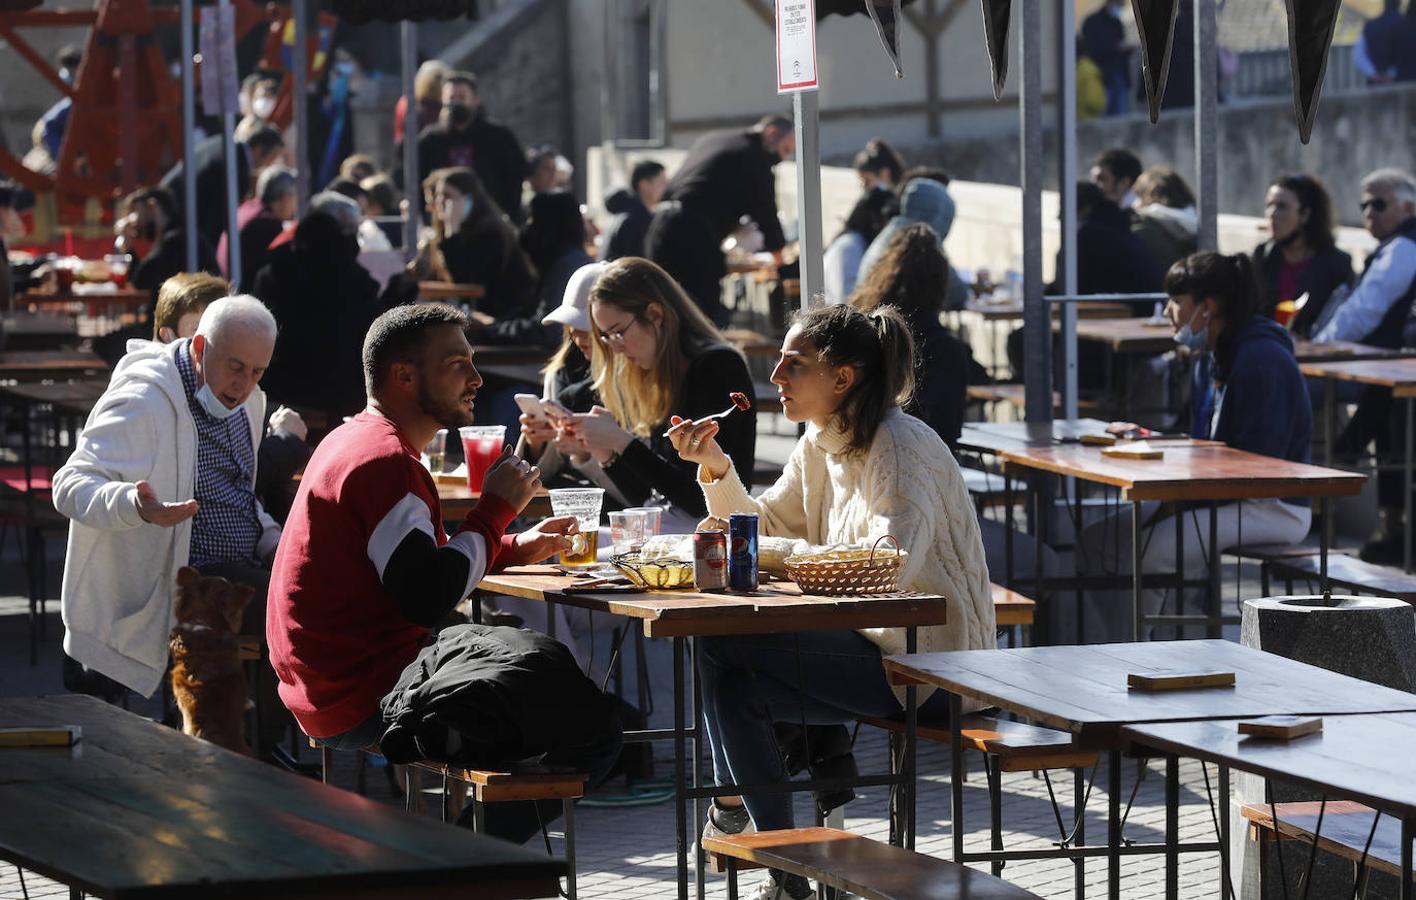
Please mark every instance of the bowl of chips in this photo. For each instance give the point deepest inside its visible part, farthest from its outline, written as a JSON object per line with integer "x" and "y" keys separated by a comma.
{"x": 655, "y": 574}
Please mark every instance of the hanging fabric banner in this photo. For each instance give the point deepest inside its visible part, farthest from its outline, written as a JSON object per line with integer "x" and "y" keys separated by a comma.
{"x": 996, "y": 14}
{"x": 886, "y": 16}
{"x": 1155, "y": 23}
{"x": 1311, "y": 24}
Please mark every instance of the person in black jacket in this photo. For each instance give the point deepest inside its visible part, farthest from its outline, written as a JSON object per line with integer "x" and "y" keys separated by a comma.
{"x": 1111, "y": 259}
{"x": 632, "y": 209}
{"x": 276, "y": 191}
{"x": 264, "y": 148}
{"x": 472, "y": 243}
{"x": 150, "y": 214}
{"x": 727, "y": 175}
{"x": 655, "y": 355}
{"x": 554, "y": 242}
{"x": 1302, "y": 257}
{"x": 324, "y": 303}
{"x": 464, "y": 137}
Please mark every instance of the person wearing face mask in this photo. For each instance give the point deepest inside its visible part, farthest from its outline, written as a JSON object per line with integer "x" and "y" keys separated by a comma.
{"x": 1246, "y": 391}
{"x": 264, "y": 92}
{"x": 464, "y": 137}
{"x": 864, "y": 468}
{"x": 149, "y": 216}
{"x": 1301, "y": 258}
{"x": 324, "y": 302}
{"x": 727, "y": 175}
{"x": 163, "y": 476}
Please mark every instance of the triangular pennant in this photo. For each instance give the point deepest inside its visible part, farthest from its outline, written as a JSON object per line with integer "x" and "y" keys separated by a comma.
{"x": 1155, "y": 24}
{"x": 995, "y": 31}
{"x": 1311, "y": 24}
{"x": 886, "y": 16}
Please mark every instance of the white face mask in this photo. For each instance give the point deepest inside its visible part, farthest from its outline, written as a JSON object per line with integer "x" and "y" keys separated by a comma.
{"x": 263, "y": 107}
{"x": 213, "y": 406}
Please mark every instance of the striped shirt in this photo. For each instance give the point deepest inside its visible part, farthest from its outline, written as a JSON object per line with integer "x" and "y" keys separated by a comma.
{"x": 226, "y": 527}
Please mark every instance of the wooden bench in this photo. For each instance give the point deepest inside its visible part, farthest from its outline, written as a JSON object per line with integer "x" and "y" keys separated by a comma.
{"x": 1006, "y": 747}
{"x": 1268, "y": 554}
{"x": 989, "y": 489}
{"x": 850, "y": 862}
{"x": 1347, "y": 573}
{"x": 1013, "y": 611}
{"x": 1346, "y": 825}
{"x": 486, "y": 786}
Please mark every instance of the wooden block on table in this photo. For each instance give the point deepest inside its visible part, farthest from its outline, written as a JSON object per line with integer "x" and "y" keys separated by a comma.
{"x": 1283, "y": 728}
{"x": 1178, "y": 681}
{"x": 1097, "y": 440}
{"x": 1136, "y": 450}
{"x": 41, "y": 736}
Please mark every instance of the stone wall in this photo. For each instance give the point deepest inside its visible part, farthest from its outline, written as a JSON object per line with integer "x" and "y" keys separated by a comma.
{"x": 1258, "y": 139}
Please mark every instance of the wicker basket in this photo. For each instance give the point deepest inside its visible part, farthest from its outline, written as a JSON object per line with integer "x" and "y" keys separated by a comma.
{"x": 655, "y": 575}
{"x": 840, "y": 572}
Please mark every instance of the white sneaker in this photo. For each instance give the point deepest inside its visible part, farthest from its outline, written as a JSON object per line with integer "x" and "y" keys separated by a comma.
{"x": 778, "y": 886}
{"x": 711, "y": 829}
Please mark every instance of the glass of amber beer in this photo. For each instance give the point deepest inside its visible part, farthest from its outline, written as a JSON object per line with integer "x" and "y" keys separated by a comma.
{"x": 584, "y": 504}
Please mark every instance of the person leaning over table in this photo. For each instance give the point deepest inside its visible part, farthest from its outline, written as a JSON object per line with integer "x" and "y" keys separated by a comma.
{"x": 863, "y": 469}
{"x": 1246, "y": 391}
{"x": 365, "y": 575}
{"x": 655, "y": 355}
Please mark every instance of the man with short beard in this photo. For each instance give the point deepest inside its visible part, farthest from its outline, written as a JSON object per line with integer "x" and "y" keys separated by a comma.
{"x": 365, "y": 572}
{"x": 464, "y": 136}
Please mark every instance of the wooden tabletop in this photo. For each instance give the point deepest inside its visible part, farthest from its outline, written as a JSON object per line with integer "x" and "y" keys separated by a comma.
{"x": 457, "y": 499}
{"x": 1193, "y": 470}
{"x": 443, "y": 290}
{"x": 74, "y": 397}
{"x": 137, "y": 810}
{"x": 990, "y": 437}
{"x": 128, "y": 297}
{"x": 1130, "y": 335}
{"x": 1344, "y": 351}
{"x": 777, "y": 607}
{"x": 1397, "y": 374}
{"x": 1357, "y": 757}
{"x": 1083, "y": 690}
{"x": 33, "y": 365}
{"x": 1086, "y": 309}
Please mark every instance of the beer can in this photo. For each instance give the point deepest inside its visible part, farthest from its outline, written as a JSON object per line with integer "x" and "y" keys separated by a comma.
{"x": 710, "y": 561}
{"x": 742, "y": 552}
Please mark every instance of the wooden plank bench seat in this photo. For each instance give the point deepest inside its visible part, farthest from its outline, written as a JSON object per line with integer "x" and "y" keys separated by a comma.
{"x": 1268, "y": 554}
{"x": 1019, "y": 747}
{"x": 1348, "y": 573}
{"x": 1011, "y": 607}
{"x": 1346, "y": 825}
{"x": 864, "y": 867}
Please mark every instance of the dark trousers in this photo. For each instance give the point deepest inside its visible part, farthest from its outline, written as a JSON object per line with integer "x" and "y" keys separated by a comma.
{"x": 1379, "y": 421}
{"x": 274, "y": 717}
{"x": 685, "y": 244}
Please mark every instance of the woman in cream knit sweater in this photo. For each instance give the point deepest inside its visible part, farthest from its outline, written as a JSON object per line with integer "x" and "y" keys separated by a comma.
{"x": 863, "y": 469}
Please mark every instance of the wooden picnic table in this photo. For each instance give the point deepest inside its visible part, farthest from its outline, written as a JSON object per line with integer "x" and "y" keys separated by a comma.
{"x": 991, "y": 437}
{"x": 136, "y": 810}
{"x": 1397, "y": 375}
{"x": 683, "y": 616}
{"x": 36, "y": 365}
{"x": 127, "y": 298}
{"x": 1344, "y": 351}
{"x": 1083, "y": 690}
{"x": 1351, "y": 758}
{"x": 444, "y": 290}
{"x": 1190, "y": 471}
{"x": 1011, "y": 311}
{"x": 457, "y": 499}
{"x": 1132, "y": 335}
{"x": 38, "y": 331}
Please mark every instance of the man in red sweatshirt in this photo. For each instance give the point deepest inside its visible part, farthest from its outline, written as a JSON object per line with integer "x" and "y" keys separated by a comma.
{"x": 365, "y": 571}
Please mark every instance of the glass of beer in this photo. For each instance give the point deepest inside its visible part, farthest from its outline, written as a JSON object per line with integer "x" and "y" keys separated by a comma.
{"x": 481, "y": 445}
{"x": 584, "y": 504}
{"x": 435, "y": 454}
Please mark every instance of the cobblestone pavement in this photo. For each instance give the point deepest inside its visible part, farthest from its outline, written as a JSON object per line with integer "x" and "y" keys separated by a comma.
{"x": 627, "y": 853}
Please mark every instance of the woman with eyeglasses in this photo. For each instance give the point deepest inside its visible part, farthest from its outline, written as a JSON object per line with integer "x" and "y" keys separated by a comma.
{"x": 1246, "y": 391}
{"x": 655, "y": 355}
{"x": 1302, "y": 258}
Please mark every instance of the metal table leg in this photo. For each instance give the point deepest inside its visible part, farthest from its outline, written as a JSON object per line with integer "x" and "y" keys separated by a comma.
{"x": 1223, "y": 814}
{"x": 1172, "y": 827}
{"x": 1408, "y": 831}
{"x": 1136, "y": 606}
{"x": 1406, "y": 485}
{"x": 1215, "y": 602}
{"x": 696, "y": 747}
{"x": 1113, "y": 825}
{"x": 680, "y": 751}
{"x": 956, "y": 774}
{"x": 910, "y": 785}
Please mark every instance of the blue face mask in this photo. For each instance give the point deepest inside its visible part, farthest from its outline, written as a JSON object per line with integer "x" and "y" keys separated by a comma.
{"x": 1196, "y": 341}
{"x": 213, "y": 406}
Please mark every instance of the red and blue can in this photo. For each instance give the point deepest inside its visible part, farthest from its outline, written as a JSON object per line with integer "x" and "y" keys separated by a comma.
{"x": 742, "y": 552}
{"x": 710, "y": 561}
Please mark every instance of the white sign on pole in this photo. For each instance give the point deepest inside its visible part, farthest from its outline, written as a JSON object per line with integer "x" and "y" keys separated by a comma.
{"x": 796, "y": 46}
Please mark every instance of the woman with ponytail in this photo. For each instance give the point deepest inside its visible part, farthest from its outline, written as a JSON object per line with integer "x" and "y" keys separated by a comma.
{"x": 1246, "y": 391}
{"x": 863, "y": 469}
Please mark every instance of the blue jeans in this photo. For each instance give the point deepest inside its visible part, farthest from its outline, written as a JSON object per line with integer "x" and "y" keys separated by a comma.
{"x": 751, "y": 681}
{"x": 361, "y": 736}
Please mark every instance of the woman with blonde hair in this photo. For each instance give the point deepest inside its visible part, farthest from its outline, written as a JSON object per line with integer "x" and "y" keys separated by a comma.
{"x": 654, "y": 356}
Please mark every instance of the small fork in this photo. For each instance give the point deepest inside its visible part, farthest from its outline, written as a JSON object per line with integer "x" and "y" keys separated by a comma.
{"x": 720, "y": 415}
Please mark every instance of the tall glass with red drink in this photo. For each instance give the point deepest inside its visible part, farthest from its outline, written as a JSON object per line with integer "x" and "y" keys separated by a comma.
{"x": 481, "y": 445}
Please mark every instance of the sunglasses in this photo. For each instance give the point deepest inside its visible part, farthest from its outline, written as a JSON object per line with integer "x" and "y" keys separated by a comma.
{"x": 1377, "y": 205}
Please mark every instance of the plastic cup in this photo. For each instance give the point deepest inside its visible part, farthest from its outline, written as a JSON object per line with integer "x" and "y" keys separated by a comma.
{"x": 435, "y": 454}
{"x": 1285, "y": 312}
{"x": 628, "y": 530}
{"x": 481, "y": 445}
{"x": 653, "y": 516}
{"x": 584, "y": 504}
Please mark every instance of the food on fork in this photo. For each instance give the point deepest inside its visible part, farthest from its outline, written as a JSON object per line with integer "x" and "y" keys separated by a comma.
{"x": 740, "y": 400}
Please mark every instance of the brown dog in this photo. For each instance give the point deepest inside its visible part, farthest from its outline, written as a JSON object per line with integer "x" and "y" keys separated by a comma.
{"x": 207, "y": 679}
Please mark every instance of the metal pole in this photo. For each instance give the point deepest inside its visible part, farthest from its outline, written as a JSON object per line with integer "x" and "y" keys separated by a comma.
{"x": 189, "y": 136}
{"x": 234, "y": 192}
{"x": 412, "y": 185}
{"x": 299, "y": 101}
{"x": 1207, "y": 123}
{"x": 1066, "y": 187}
{"x": 808, "y": 160}
{"x": 1037, "y": 318}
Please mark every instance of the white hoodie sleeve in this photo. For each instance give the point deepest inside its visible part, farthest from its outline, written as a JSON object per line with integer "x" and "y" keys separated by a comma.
{"x": 98, "y": 485}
